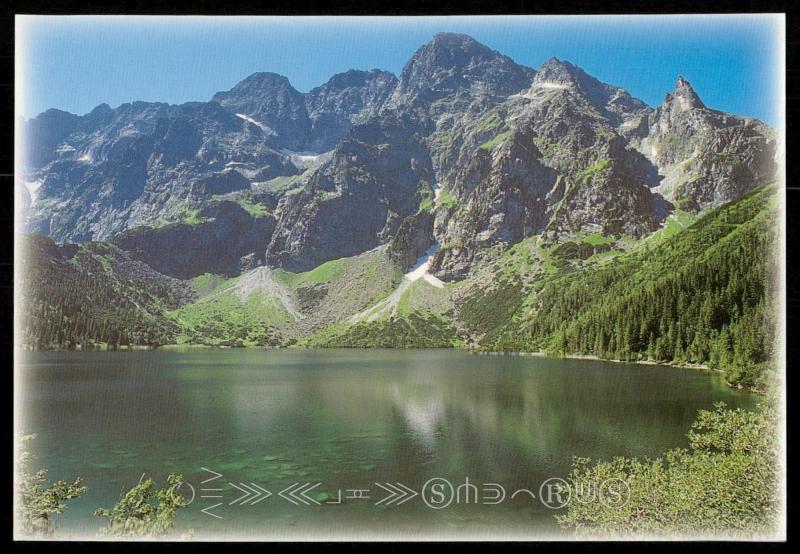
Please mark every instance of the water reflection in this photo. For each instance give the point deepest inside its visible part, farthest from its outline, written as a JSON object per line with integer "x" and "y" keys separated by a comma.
{"x": 424, "y": 412}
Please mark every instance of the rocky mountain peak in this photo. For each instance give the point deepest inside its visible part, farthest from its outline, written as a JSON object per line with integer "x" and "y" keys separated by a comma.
{"x": 447, "y": 52}
{"x": 257, "y": 82}
{"x": 269, "y": 101}
{"x": 684, "y": 96}
{"x": 260, "y": 92}
{"x": 456, "y": 42}
{"x": 612, "y": 102}
{"x": 101, "y": 110}
{"x": 451, "y": 64}
{"x": 558, "y": 72}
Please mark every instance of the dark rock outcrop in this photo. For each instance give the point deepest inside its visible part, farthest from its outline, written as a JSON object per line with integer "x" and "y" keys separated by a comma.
{"x": 413, "y": 238}
{"x": 357, "y": 200}
{"x": 501, "y": 199}
{"x": 224, "y": 236}
{"x": 347, "y": 99}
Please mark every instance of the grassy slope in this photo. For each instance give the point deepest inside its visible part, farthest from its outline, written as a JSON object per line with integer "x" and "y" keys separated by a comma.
{"x": 222, "y": 318}
{"x": 335, "y": 289}
{"x": 339, "y": 288}
{"x": 421, "y": 317}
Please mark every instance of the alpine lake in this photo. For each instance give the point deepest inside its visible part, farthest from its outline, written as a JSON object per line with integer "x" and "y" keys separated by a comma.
{"x": 288, "y": 444}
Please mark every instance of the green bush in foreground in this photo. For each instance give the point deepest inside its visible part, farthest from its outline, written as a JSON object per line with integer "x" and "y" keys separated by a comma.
{"x": 144, "y": 510}
{"x": 39, "y": 500}
{"x": 725, "y": 483}
{"x": 141, "y": 512}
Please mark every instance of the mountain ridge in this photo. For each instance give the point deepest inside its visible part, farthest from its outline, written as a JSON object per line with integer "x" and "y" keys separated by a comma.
{"x": 330, "y": 158}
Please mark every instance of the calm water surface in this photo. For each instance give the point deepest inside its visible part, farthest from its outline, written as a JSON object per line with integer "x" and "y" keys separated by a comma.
{"x": 347, "y": 419}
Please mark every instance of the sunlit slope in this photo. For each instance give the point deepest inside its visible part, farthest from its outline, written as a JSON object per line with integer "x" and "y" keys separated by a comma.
{"x": 265, "y": 307}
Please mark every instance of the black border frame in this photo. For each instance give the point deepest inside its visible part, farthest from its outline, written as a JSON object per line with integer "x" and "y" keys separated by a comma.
{"x": 409, "y": 7}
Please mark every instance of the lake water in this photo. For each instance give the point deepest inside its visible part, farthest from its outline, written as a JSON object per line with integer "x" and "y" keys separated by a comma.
{"x": 350, "y": 420}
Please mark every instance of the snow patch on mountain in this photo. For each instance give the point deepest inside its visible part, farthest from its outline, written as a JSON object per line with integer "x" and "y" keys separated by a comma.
{"x": 437, "y": 190}
{"x": 420, "y": 269}
{"x": 388, "y": 306}
{"x": 256, "y": 123}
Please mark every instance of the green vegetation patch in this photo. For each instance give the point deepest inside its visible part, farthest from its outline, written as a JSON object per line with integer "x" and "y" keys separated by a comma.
{"x": 446, "y": 199}
{"x": 570, "y": 250}
{"x": 423, "y": 298}
{"x": 488, "y": 122}
{"x": 223, "y": 319}
{"x": 323, "y": 273}
{"x": 426, "y": 204}
{"x": 597, "y": 239}
{"x": 725, "y": 483}
{"x": 491, "y": 143}
{"x": 207, "y": 283}
{"x": 412, "y": 331}
{"x": 255, "y": 209}
{"x": 598, "y": 167}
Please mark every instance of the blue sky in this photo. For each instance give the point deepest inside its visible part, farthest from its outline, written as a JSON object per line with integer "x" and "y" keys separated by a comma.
{"x": 75, "y": 63}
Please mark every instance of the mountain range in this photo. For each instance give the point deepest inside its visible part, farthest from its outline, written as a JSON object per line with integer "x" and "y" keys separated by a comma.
{"x": 374, "y": 199}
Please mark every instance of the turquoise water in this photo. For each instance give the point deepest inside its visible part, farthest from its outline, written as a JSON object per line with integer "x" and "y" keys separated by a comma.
{"x": 348, "y": 420}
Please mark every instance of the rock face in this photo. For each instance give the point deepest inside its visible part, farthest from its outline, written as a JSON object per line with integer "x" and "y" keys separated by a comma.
{"x": 347, "y": 99}
{"x": 357, "y": 200}
{"x": 412, "y": 240}
{"x": 706, "y": 157}
{"x": 502, "y": 198}
{"x": 269, "y": 102}
{"x": 449, "y": 84}
{"x": 549, "y": 160}
{"x": 467, "y": 149}
{"x": 148, "y": 164}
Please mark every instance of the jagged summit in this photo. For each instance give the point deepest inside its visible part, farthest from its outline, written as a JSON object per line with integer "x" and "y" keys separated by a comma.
{"x": 258, "y": 93}
{"x": 270, "y": 102}
{"x": 459, "y": 40}
{"x": 614, "y": 103}
{"x": 261, "y": 78}
{"x": 449, "y": 50}
{"x": 450, "y": 36}
{"x": 684, "y": 95}
{"x": 260, "y": 87}
{"x": 101, "y": 109}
